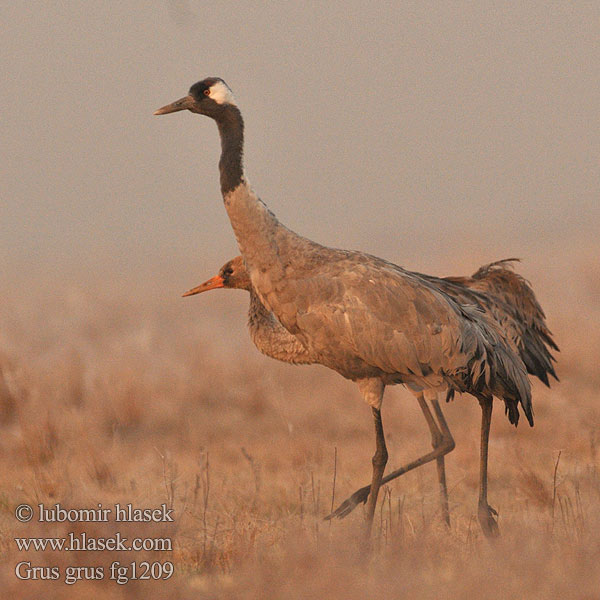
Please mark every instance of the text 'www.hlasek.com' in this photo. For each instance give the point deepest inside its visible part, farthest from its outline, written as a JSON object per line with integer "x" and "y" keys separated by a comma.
{"x": 79, "y": 541}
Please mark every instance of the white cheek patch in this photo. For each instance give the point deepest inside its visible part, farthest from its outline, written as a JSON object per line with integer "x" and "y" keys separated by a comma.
{"x": 221, "y": 94}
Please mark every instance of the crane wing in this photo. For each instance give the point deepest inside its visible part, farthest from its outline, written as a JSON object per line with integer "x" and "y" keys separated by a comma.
{"x": 365, "y": 317}
{"x": 387, "y": 319}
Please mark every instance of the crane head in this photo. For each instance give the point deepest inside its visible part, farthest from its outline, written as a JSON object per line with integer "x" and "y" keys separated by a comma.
{"x": 232, "y": 275}
{"x": 207, "y": 97}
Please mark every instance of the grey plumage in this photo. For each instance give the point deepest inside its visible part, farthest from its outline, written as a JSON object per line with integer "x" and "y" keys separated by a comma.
{"x": 366, "y": 318}
{"x": 494, "y": 288}
{"x": 508, "y": 299}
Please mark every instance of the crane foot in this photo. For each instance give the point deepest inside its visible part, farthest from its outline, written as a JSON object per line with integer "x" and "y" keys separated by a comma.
{"x": 488, "y": 521}
{"x": 348, "y": 505}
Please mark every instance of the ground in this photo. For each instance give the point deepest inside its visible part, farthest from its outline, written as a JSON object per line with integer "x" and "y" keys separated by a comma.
{"x": 105, "y": 398}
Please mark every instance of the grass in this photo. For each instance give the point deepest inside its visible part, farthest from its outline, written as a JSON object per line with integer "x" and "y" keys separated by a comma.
{"x": 106, "y": 399}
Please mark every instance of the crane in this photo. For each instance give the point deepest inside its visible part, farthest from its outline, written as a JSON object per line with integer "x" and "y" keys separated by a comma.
{"x": 366, "y": 318}
{"x": 495, "y": 287}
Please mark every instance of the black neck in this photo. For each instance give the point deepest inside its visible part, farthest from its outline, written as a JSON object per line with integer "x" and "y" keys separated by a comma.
{"x": 231, "y": 129}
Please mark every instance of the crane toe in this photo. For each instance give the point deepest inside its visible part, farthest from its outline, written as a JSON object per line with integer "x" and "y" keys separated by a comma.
{"x": 488, "y": 519}
{"x": 348, "y": 505}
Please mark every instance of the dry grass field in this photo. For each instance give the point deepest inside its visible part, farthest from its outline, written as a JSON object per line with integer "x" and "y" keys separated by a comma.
{"x": 113, "y": 397}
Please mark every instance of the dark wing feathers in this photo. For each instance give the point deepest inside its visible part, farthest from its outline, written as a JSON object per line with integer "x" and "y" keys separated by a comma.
{"x": 516, "y": 290}
{"x": 393, "y": 323}
{"x": 511, "y": 301}
{"x": 498, "y": 281}
{"x": 504, "y": 373}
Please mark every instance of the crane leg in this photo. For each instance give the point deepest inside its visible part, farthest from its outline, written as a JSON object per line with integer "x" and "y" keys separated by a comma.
{"x": 485, "y": 513}
{"x": 443, "y": 443}
{"x": 440, "y": 437}
{"x": 379, "y": 461}
{"x": 448, "y": 444}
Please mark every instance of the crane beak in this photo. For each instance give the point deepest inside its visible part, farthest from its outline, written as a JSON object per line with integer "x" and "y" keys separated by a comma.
{"x": 181, "y": 104}
{"x": 211, "y": 284}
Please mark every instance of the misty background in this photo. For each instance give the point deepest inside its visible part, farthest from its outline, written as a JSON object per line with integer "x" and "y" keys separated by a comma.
{"x": 439, "y": 135}
{"x": 422, "y": 132}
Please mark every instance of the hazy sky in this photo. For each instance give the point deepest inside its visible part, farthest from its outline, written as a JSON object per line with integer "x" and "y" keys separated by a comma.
{"x": 399, "y": 128}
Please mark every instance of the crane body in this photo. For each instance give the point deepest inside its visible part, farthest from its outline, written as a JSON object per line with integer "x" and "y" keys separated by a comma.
{"x": 370, "y": 320}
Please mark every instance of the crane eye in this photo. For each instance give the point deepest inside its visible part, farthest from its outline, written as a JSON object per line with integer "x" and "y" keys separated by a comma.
{"x": 207, "y": 92}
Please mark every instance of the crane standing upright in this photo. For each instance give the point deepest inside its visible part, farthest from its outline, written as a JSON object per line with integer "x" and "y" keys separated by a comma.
{"x": 366, "y": 318}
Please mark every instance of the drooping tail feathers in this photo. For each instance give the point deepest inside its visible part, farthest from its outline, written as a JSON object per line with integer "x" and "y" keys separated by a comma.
{"x": 535, "y": 339}
{"x": 496, "y": 369}
{"x": 508, "y": 297}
